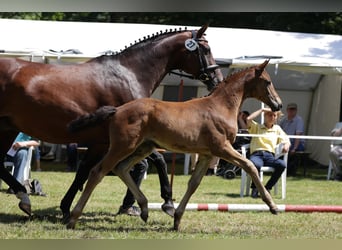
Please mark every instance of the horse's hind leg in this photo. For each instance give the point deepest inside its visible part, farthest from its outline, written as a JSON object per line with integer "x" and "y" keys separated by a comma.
{"x": 91, "y": 158}
{"x": 193, "y": 183}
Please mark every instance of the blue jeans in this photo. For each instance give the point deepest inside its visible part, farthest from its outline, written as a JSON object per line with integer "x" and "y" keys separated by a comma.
{"x": 265, "y": 158}
{"x": 19, "y": 160}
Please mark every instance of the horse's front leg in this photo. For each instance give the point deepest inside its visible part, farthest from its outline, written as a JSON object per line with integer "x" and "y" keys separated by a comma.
{"x": 95, "y": 176}
{"x": 231, "y": 155}
{"x": 193, "y": 183}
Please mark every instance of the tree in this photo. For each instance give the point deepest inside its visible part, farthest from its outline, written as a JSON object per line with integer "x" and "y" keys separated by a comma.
{"x": 311, "y": 22}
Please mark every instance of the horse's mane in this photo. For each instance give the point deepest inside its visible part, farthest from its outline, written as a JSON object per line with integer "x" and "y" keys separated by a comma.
{"x": 141, "y": 42}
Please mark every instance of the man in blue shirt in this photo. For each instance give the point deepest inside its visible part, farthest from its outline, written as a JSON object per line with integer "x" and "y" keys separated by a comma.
{"x": 293, "y": 124}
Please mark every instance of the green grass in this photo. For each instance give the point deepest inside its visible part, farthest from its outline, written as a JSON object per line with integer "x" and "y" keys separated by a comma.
{"x": 99, "y": 221}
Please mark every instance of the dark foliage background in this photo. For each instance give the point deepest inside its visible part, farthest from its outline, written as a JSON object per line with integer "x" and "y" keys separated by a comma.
{"x": 307, "y": 22}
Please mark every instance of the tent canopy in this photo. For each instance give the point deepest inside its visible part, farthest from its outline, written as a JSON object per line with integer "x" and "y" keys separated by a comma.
{"x": 301, "y": 53}
{"x": 305, "y": 68}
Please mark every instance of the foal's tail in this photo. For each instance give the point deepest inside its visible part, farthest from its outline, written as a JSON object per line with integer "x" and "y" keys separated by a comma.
{"x": 91, "y": 120}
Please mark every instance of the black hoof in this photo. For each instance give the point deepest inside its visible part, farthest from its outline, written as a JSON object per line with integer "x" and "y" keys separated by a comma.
{"x": 144, "y": 216}
{"x": 274, "y": 211}
{"x": 168, "y": 208}
{"x": 66, "y": 218}
{"x": 26, "y": 208}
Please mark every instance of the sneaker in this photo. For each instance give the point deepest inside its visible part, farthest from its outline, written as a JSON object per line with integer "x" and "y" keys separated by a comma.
{"x": 132, "y": 211}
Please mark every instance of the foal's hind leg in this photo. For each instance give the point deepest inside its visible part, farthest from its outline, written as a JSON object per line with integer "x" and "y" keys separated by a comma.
{"x": 95, "y": 176}
{"x": 93, "y": 156}
{"x": 122, "y": 171}
{"x": 193, "y": 183}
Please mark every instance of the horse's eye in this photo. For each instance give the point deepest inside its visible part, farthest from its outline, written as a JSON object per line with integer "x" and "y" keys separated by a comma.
{"x": 206, "y": 50}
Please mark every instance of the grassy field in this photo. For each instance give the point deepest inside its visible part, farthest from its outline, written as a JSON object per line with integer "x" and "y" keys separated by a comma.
{"x": 99, "y": 220}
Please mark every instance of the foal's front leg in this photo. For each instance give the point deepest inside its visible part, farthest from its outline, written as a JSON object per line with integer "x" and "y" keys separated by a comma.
{"x": 195, "y": 179}
{"x": 231, "y": 155}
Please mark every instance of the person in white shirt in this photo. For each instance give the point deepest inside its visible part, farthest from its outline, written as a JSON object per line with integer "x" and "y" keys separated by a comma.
{"x": 336, "y": 152}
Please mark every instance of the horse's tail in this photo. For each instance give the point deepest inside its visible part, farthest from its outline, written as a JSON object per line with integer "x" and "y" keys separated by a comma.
{"x": 91, "y": 120}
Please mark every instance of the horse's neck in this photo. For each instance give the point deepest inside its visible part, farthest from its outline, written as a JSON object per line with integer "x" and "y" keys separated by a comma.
{"x": 150, "y": 63}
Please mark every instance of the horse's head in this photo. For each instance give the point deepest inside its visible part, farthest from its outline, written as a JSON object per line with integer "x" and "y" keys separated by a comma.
{"x": 262, "y": 88}
{"x": 199, "y": 60}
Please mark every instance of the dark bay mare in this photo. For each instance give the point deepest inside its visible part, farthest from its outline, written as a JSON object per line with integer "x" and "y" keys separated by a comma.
{"x": 206, "y": 125}
{"x": 41, "y": 99}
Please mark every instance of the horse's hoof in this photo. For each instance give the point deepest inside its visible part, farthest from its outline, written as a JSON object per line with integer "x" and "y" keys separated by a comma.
{"x": 26, "y": 208}
{"x": 168, "y": 208}
{"x": 25, "y": 203}
{"x": 66, "y": 217}
{"x": 71, "y": 224}
{"x": 144, "y": 216}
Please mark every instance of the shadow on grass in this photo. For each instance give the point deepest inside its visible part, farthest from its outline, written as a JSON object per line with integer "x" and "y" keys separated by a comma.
{"x": 91, "y": 221}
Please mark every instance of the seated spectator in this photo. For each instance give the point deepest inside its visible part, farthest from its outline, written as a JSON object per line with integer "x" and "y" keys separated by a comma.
{"x": 18, "y": 155}
{"x": 262, "y": 149}
{"x": 293, "y": 124}
{"x": 336, "y": 152}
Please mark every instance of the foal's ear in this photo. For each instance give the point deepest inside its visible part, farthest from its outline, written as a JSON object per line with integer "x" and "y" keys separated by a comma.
{"x": 260, "y": 68}
{"x": 201, "y": 31}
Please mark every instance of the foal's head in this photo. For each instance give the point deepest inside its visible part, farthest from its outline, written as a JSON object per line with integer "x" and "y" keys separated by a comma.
{"x": 260, "y": 86}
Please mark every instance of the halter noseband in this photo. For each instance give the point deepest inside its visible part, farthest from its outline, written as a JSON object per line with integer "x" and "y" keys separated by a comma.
{"x": 205, "y": 70}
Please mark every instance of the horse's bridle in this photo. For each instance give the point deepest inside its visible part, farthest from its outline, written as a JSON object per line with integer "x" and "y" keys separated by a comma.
{"x": 205, "y": 70}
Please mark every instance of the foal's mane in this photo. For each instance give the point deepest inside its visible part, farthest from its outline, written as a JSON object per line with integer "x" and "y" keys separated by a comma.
{"x": 142, "y": 42}
{"x": 229, "y": 78}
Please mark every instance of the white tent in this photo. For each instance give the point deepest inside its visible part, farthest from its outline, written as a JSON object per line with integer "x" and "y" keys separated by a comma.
{"x": 305, "y": 68}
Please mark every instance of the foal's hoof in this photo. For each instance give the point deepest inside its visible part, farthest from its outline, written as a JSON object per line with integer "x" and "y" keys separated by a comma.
{"x": 168, "y": 208}
{"x": 274, "y": 210}
{"x": 176, "y": 223}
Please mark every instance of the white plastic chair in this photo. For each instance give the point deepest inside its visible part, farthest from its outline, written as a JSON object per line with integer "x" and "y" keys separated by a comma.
{"x": 330, "y": 168}
{"x": 246, "y": 179}
{"x": 27, "y": 171}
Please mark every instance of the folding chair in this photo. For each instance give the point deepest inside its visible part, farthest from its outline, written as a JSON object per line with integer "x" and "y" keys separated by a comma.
{"x": 246, "y": 179}
{"x": 27, "y": 171}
